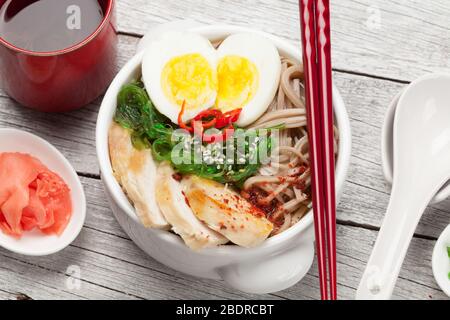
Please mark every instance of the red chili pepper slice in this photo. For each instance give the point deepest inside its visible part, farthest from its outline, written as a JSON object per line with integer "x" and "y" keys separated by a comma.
{"x": 180, "y": 119}
{"x": 233, "y": 114}
{"x": 208, "y": 113}
{"x": 210, "y": 124}
{"x": 215, "y": 118}
{"x": 228, "y": 118}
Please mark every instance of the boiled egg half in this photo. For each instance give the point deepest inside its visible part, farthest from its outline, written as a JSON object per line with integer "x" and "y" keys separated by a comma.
{"x": 178, "y": 68}
{"x": 248, "y": 71}
{"x": 244, "y": 72}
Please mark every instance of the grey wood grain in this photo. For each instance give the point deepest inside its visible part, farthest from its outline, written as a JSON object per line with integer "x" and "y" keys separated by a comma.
{"x": 411, "y": 39}
{"x": 113, "y": 267}
{"x": 5, "y": 295}
{"x": 399, "y": 39}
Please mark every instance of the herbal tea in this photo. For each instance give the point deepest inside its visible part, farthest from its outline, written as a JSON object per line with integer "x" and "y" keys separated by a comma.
{"x": 49, "y": 25}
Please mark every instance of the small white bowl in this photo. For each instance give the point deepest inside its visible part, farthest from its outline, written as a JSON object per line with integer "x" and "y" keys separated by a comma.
{"x": 441, "y": 261}
{"x": 35, "y": 243}
{"x": 280, "y": 262}
{"x": 387, "y": 149}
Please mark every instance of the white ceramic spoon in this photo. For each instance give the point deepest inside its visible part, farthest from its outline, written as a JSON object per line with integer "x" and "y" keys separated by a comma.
{"x": 421, "y": 167}
{"x": 387, "y": 149}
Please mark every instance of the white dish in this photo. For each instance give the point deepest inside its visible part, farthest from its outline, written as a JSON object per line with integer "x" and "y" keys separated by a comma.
{"x": 441, "y": 261}
{"x": 280, "y": 262}
{"x": 35, "y": 243}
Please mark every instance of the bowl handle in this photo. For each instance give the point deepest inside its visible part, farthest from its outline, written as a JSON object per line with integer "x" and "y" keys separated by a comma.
{"x": 272, "y": 274}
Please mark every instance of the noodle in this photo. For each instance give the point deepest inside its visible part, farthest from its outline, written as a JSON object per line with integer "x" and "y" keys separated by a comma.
{"x": 281, "y": 188}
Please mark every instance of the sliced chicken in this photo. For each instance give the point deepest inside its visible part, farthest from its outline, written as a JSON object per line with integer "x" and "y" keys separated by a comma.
{"x": 226, "y": 212}
{"x": 174, "y": 206}
{"x": 135, "y": 170}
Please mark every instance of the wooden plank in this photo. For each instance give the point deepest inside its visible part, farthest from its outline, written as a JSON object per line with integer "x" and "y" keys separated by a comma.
{"x": 5, "y": 295}
{"x": 388, "y": 38}
{"x": 354, "y": 246}
{"x": 107, "y": 263}
{"x": 112, "y": 266}
{"x": 21, "y": 277}
{"x": 115, "y": 265}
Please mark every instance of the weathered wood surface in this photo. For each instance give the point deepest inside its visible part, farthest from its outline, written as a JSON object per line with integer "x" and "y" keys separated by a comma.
{"x": 372, "y": 63}
{"x": 398, "y": 39}
{"x": 111, "y": 266}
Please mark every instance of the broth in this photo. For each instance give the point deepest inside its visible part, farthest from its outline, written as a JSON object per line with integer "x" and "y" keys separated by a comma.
{"x": 49, "y": 25}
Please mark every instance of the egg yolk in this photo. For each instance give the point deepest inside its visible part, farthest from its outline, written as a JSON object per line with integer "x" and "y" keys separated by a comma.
{"x": 238, "y": 82}
{"x": 189, "y": 78}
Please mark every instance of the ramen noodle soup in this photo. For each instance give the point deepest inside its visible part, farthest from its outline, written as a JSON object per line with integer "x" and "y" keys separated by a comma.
{"x": 211, "y": 142}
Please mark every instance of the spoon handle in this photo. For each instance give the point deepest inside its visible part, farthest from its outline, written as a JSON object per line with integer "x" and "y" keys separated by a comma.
{"x": 403, "y": 214}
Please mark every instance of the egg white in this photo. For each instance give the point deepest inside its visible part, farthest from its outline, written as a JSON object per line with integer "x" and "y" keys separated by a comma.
{"x": 264, "y": 55}
{"x": 158, "y": 53}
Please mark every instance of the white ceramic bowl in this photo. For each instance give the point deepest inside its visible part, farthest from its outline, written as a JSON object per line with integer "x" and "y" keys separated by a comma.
{"x": 280, "y": 262}
{"x": 34, "y": 243}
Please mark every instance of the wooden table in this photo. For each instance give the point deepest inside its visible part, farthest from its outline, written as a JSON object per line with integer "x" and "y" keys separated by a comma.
{"x": 378, "y": 47}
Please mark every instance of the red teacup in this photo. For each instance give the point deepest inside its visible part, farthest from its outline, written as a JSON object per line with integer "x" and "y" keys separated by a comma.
{"x": 65, "y": 79}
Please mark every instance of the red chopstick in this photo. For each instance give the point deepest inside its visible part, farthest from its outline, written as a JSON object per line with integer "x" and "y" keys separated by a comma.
{"x": 315, "y": 30}
{"x": 322, "y": 9}
{"x": 314, "y": 135}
